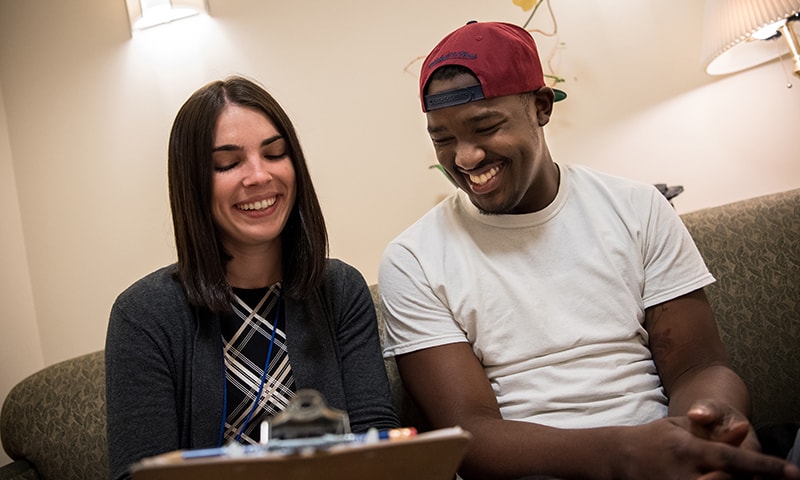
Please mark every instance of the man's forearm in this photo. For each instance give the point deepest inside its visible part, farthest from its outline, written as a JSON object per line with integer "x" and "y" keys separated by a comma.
{"x": 717, "y": 382}
{"x": 509, "y": 449}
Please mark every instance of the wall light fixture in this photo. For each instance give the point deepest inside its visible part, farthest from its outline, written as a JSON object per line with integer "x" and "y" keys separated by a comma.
{"x": 149, "y": 13}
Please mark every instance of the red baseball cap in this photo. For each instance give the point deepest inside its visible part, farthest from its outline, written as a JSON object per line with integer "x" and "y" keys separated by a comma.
{"x": 502, "y": 55}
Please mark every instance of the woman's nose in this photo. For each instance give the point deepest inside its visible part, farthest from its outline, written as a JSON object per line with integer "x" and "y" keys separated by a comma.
{"x": 256, "y": 172}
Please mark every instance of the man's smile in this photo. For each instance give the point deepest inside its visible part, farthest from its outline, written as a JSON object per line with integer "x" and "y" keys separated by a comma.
{"x": 484, "y": 177}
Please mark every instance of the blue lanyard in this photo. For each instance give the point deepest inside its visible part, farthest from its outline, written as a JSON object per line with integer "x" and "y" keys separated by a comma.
{"x": 260, "y": 386}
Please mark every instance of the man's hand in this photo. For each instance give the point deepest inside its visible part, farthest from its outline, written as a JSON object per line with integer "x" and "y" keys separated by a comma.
{"x": 709, "y": 446}
{"x": 716, "y": 421}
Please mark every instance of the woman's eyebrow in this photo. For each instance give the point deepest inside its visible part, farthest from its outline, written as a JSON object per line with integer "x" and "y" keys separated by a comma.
{"x": 226, "y": 148}
{"x": 271, "y": 140}
{"x": 232, "y": 148}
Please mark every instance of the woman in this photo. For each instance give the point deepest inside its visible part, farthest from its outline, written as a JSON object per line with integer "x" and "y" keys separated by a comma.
{"x": 187, "y": 345}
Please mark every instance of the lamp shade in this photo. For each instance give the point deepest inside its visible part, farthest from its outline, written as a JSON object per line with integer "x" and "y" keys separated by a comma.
{"x": 733, "y": 38}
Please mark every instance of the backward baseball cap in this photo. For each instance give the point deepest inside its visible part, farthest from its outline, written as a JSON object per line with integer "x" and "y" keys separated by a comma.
{"x": 503, "y": 56}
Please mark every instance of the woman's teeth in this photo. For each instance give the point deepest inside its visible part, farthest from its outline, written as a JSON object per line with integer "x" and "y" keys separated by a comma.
{"x": 257, "y": 205}
{"x": 484, "y": 177}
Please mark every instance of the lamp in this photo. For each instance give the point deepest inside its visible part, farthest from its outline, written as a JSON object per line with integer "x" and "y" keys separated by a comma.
{"x": 740, "y": 34}
{"x": 149, "y": 13}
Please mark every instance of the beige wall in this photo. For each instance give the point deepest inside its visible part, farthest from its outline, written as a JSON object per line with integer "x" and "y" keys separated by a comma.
{"x": 20, "y": 349}
{"x": 87, "y": 112}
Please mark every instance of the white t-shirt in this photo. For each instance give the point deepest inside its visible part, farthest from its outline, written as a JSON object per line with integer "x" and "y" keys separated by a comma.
{"x": 551, "y": 302}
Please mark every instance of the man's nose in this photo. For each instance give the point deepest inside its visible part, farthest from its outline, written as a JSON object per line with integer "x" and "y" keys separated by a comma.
{"x": 469, "y": 156}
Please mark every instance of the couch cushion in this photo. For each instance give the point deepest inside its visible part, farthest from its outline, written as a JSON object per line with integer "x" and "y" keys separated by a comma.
{"x": 407, "y": 410}
{"x": 752, "y": 247}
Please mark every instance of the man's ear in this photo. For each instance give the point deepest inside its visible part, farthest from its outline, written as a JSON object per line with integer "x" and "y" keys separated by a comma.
{"x": 543, "y": 98}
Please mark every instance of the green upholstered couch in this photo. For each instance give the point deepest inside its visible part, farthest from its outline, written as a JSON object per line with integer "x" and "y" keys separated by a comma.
{"x": 53, "y": 422}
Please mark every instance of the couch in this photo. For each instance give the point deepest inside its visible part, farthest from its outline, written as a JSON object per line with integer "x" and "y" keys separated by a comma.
{"x": 53, "y": 423}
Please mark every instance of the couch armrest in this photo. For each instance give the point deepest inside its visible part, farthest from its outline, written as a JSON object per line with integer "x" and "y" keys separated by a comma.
{"x": 18, "y": 470}
{"x": 55, "y": 419}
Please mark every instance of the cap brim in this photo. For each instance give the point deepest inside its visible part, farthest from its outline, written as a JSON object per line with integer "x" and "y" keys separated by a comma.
{"x": 559, "y": 95}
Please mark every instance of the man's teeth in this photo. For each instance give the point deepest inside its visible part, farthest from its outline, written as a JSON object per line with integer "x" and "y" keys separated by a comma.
{"x": 484, "y": 177}
{"x": 258, "y": 205}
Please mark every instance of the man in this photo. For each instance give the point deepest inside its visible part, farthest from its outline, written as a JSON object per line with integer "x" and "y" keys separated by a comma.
{"x": 555, "y": 312}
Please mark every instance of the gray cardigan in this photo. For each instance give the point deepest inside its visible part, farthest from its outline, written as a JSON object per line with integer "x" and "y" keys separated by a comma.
{"x": 165, "y": 372}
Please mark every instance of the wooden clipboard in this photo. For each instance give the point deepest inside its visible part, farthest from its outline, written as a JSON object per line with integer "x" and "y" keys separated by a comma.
{"x": 433, "y": 455}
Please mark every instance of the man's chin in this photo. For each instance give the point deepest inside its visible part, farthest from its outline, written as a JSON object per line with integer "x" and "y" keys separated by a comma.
{"x": 489, "y": 208}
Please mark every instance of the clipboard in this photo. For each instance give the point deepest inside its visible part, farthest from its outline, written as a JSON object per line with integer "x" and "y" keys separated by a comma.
{"x": 433, "y": 455}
